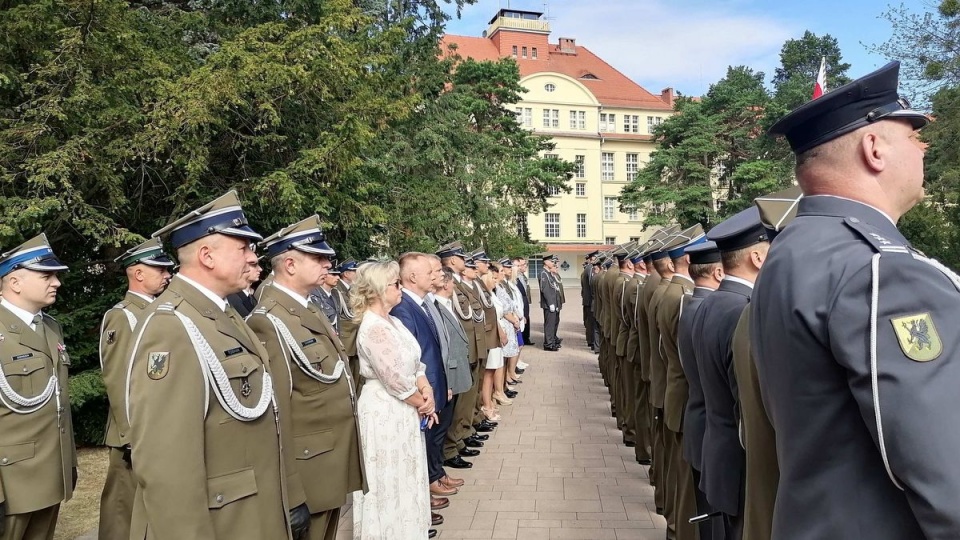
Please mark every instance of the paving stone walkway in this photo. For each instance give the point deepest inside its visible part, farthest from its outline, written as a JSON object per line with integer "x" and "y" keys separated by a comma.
{"x": 556, "y": 467}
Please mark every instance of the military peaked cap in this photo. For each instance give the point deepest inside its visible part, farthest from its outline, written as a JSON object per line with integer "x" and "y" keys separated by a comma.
{"x": 704, "y": 253}
{"x": 34, "y": 254}
{"x": 778, "y": 209}
{"x": 739, "y": 231}
{"x": 305, "y": 236}
{"x": 150, "y": 253}
{"x": 223, "y": 215}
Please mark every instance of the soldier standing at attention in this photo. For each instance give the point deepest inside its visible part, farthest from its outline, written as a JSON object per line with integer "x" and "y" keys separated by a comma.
{"x": 317, "y": 403}
{"x": 586, "y": 295}
{"x": 743, "y": 242}
{"x": 147, "y": 269}
{"x": 200, "y": 397}
{"x": 638, "y": 424}
{"x": 348, "y": 325}
{"x": 38, "y": 458}
{"x": 869, "y": 331}
{"x": 550, "y": 303}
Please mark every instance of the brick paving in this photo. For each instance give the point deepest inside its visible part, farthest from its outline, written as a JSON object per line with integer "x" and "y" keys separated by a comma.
{"x": 556, "y": 468}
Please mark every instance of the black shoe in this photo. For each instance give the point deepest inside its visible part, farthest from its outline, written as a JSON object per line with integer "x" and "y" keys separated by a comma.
{"x": 644, "y": 461}
{"x": 489, "y": 423}
{"x": 479, "y": 437}
{"x": 431, "y": 533}
{"x": 469, "y": 452}
{"x": 510, "y": 393}
{"x": 629, "y": 444}
{"x": 529, "y": 343}
{"x": 520, "y": 371}
{"x": 514, "y": 382}
{"x": 483, "y": 428}
{"x": 472, "y": 443}
{"x": 551, "y": 349}
{"x": 457, "y": 462}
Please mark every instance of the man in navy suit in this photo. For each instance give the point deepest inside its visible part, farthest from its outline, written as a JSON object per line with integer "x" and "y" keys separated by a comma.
{"x": 416, "y": 277}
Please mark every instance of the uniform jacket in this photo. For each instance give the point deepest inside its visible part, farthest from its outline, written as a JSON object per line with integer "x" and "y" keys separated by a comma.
{"x": 36, "y": 454}
{"x": 318, "y": 419}
{"x": 347, "y": 326}
{"x": 471, "y": 314}
{"x": 549, "y": 291}
{"x": 611, "y": 305}
{"x": 201, "y": 473}
{"x": 658, "y": 366}
{"x": 668, "y": 319}
{"x": 695, "y": 414}
{"x": 327, "y": 303}
{"x": 415, "y": 319}
{"x": 619, "y": 312}
{"x": 643, "y": 322}
{"x": 458, "y": 364}
{"x": 723, "y": 457}
{"x": 822, "y": 348}
{"x": 559, "y": 281}
{"x": 632, "y": 295}
{"x": 242, "y": 302}
{"x": 586, "y": 295}
{"x": 116, "y": 339}
{"x": 491, "y": 323}
{"x": 759, "y": 440}
{"x": 596, "y": 305}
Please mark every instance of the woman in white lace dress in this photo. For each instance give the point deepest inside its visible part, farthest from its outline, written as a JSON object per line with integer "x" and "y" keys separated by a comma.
{"x": 509, "y": 323}
{"x": 389, "y": 413}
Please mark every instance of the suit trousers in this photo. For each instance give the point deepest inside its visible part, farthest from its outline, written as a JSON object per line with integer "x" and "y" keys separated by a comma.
{"x": 588, "y": 323}
{"x": 685, "y": 500}
{"x": 526, "y": 327}
{"x": 627, "y": 395}
{"x": 323, "y": 525}
{"x": 116, "y": 501}
{"x": 435, "y": 437}
{"x": 642, "y": 415}
{"x": 38, "y": 525}
{"x": 551, "y": 322}
{"x": 710, "y": 529}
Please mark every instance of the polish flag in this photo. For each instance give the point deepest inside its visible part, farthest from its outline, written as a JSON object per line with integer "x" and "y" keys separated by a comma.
{"x": 820, "y": 87}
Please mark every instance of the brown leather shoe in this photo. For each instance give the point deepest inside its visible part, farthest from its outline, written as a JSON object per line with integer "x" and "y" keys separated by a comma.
{"x": 439, "y": 503}
{"x": 437, "y": 489}
{"x": 435, "y": 519}
{"x": 451, "y": 482}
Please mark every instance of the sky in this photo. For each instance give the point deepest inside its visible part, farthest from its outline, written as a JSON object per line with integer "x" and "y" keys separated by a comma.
{"x": 688, "y": 44}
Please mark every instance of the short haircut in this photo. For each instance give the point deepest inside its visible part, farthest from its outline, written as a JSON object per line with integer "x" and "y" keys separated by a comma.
{"x": 662, "y": 265}
{"x": 701, "y": 271}
{"x": 447, "y": 276}
{"x": 408, "y": 259}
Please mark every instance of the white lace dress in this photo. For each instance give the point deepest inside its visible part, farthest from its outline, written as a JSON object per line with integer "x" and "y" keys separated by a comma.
{"x": 397, "y": 504}
{"x": 511, "y": 349}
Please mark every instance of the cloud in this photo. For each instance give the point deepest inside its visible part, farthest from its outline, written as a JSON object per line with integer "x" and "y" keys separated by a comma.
{"x": 658, "y": 43}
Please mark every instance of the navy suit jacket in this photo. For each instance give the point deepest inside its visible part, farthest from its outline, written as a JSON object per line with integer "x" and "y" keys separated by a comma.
{"x": 415, "y": 319}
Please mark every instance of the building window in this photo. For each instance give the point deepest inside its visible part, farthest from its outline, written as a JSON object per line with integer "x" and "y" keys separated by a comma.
{"x": 550, "y": 87}
{"x": 579, "y": 170}
{"x": 631, "y": 123}
{"x": 534, "y": 267}
{"x": 581, "y": 189}
{"x": 551, "y": 118}
{"x": 553, "y": 191}
{"x": 606, "y": 166}
{"x": 578, "y": 119}
{"x": 514, "y": 51}
{"x": 581, "y": 225}
{"x": 634, "y": 239}
{"x": 609, "y": 208}
{"x": 551, "y": 224}
{"x": 653, "y": 121}
{"x": 525, "y": 116}
{"x": 610, "y": 240}
{"x": 608, "y": 122}
{"x": 632, "y": 214}
{"x": 633, "y": 165}
{"x": 523, "y": 52}
{"x": 533, "y": 52}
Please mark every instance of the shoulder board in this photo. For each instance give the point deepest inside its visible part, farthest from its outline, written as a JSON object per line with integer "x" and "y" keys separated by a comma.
{"x": 166, "y": 307}
{"x": 120, "y": 305}
{"x": 874, "y": 237}
{"x": 261, "y": 310}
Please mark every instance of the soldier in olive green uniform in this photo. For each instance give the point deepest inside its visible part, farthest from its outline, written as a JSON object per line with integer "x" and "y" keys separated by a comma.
{"x": 639, "y": 424}
{"x": 38, "y": 459}
{"x": 200, "y": 397}
{"x": 620, "y": 334}
{"x": 316, "y": 398}
{"x": 147, "y": 269}
{"x": 679, "y": 493}
{"x": 348, "y": 324}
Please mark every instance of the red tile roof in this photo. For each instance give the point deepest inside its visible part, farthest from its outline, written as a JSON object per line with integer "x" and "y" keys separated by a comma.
{"x": 611, "y": 87}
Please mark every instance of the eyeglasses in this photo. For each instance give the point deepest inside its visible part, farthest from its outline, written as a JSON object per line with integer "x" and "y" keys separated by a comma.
{"x": 395, "y": 284}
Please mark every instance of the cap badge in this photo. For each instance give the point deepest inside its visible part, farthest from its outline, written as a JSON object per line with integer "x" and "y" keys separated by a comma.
{"x": 918, "y": 337}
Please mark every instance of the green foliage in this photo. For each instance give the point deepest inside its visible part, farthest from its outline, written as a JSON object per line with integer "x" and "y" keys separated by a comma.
{"x": 117, "y": 115}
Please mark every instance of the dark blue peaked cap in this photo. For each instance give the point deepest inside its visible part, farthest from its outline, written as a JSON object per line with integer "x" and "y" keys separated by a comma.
{"x": 869, "y": 99}
{"x": 739, "y": 231}
{"x": 223, "y": 215}
{"x": 704, "y": 253}
{"x": 305, "y": 236}
{"x": 34, "y": 254}
{"x": 453, "y": 249}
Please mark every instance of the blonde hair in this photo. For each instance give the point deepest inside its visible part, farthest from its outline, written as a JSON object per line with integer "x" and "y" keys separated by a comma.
{"x": 370, "y": 284}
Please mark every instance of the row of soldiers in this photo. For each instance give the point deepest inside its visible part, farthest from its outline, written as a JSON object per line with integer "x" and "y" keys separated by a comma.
{"x": 748, "y": 365}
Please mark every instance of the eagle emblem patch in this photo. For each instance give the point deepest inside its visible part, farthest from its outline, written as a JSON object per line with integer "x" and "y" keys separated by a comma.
{"x": 158, "y": 364}
{"x": 918, "y": 337}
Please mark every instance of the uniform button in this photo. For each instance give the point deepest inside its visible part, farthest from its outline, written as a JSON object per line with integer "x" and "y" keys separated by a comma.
{"x": 63, "y": 430}
{"x": 306, "y": 452}
{"x": 4, "y": 461}
{"x": 24, "y": 369}
{"x": 243, "y": 369}
{"x": 121, "y": 434}
{"x": 219, "y": 498}
{"x": 854, "y": 220}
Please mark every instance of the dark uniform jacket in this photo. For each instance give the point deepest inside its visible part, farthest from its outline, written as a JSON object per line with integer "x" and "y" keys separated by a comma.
{"x": 549, "y": 291}
{"x": 814, "y": 362}
{"x": 658, "y": 366}
{"x": 318, "y": 417}
{"x": 631, "y": 294}
{"x": 695, "y": 414}
{"x": 37, "y": 450}
{"x": 723, "y": 458}
{"x": 585, "y": 293}
{"x": 617, "y": 320}
{"x": 201, "y": 472}
{"x": 668, "y": 319}
{"x": 116, "y": 340}
{"x": 643, "y": 322}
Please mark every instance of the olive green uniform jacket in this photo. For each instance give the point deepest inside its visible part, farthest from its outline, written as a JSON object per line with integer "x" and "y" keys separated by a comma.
{"x": 643, "y": 322}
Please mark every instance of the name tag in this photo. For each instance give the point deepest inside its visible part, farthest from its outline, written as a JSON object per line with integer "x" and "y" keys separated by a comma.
{"x": 232, "y": 352}
{"x": 310, "y": 341}
{"x": 23, "y": 356}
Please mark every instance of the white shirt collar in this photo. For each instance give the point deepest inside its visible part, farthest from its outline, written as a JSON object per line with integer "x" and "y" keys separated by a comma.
{"x": 445, "y": 302}
{"x": 345, "y": 284}
{"x": 741, "y": 281}
{"x": 300, "y": 299}
{"x": 882, "y": 213}
{"x": 414, "y": 296}
{"x": 457, "y": 277}
{"x": 220, "y": 302}
{"x": 704, "y": 288}
{"x": 21, "y": 313}
{"x": 149, "y": 299}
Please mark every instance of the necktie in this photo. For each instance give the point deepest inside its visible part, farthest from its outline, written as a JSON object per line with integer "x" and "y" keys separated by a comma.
{"x": 38, "y": 326}
{"x": 433, "y": 325}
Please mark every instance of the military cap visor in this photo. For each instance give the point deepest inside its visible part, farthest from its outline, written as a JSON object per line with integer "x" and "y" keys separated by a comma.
{"x": 506, "y": 263}
{"x": 149, "y": 257}
{"x": 864, "y": 101}
{"x": 704, "y": 253}
{"x": 310, "y": 241}
{"x": 739, "y": 231}
{"x": 453, "y": 249}
{"x": 778, "y": 209}
{"x": 480, "y": 256}
{"x": 223, "y": 215}
{"x": 348, "y": 265}
{"x": 34, "y": 254}
{"x": 470, "y": 263}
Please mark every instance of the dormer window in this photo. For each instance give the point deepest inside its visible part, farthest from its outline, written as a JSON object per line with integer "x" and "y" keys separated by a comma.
{"x": 589, "y": 77}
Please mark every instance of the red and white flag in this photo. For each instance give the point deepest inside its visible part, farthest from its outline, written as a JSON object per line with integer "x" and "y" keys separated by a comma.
{"x": 820, "y": 87}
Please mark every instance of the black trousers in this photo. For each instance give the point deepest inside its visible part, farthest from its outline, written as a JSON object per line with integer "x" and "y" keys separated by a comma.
{"x": 551, "y": 321}
{"x": 435, "y": 437}
{"x": 526, "y": 327}
{"x": 589, "y": 323}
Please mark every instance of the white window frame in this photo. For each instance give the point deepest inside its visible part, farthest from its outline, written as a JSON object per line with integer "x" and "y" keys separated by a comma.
{"x": 581, "y": 189}
{"x": 609, "y": 208}
{"x": 551, "y": 118}
{"x": 551, "y": 225}
{"x": 581, "y": 225}
{"x": 608, "y": 168}
{"x": 631, "y": 123}
{"x": 608, "y": 122}
{"x": 580, "y": 168}
{"x": 633, "y": 166}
